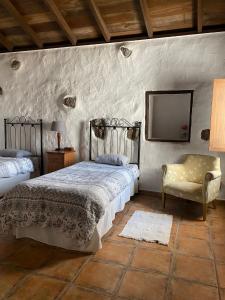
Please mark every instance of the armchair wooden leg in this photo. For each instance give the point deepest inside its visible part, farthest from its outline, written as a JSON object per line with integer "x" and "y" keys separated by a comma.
{"x": 205, "y": 206}
{"x": 163, "y": 199}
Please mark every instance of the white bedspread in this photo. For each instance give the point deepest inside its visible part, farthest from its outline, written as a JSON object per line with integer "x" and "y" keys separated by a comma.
{"x": 10, "y": 166}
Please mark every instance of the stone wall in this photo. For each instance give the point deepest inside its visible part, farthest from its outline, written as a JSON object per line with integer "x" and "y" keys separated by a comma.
{"x": 107, "y": 84}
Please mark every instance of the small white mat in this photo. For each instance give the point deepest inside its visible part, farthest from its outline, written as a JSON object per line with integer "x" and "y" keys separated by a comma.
{"x": 148, "y": 226}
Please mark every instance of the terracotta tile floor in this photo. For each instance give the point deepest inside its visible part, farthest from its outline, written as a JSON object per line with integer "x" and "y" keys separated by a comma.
{"x": 192, "y": 267}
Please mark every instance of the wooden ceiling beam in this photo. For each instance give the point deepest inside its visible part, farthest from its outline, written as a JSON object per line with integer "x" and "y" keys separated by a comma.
{"x": 147, "y": 20}
{"x": 99, "y": 20}
{"x": 20, "y": 19}
{"x": 5, "y": 42}
{"x": 199, "y": 16}
{"x": 61, "y": 21}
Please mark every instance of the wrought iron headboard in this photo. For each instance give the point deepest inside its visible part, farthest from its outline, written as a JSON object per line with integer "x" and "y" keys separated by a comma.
{"x": 25, "y": 133}
{"x": 115, "y": 136}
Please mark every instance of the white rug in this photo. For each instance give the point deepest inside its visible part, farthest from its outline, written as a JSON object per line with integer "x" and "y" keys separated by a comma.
{"x": 148, "y": 226}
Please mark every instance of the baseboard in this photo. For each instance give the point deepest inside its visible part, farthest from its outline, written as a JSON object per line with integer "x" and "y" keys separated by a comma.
{"x": 159, "y": 195}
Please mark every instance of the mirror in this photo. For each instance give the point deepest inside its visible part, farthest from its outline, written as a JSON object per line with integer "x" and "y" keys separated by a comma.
{"x": 168, "y": 116}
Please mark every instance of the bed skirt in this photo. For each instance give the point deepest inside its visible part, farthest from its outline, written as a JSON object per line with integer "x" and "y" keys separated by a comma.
{"x": 54, "y": 237}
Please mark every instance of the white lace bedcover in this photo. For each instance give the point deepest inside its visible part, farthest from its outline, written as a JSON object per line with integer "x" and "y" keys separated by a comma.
{"x": 72, "y": 199}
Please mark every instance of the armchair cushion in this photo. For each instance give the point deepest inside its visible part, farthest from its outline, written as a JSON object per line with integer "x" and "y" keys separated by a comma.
{"x": 197, "y": 166}
{"x": 174, "y": 172}
{"x": 185, "y": 190}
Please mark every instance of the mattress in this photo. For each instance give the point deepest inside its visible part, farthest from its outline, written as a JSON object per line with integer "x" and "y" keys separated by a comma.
{"x": 118, "y": 182}
{"x": 6, "y": 184}
{"x": 56, "y": 238}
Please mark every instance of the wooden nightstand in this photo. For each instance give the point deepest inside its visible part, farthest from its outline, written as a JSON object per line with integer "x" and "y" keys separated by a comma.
{"x": 59, "y": 159}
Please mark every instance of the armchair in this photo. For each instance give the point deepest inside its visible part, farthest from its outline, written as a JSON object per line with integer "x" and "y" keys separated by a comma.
{"x": 198, "y": 179}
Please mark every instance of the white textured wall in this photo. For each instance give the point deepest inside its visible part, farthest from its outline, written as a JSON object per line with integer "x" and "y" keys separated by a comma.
{"x": 109, "y": 85}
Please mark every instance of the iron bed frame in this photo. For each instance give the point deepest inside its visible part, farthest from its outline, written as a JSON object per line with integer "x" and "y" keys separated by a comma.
{"x": 112, "y": 128}
{"x": 24, "y": 133}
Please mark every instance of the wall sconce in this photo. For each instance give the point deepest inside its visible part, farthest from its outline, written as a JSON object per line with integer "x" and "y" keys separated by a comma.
{"x": 125, "y": 51}
{"x": 15, "y": 64}
{"x": 205, "y": 134}
{"x": 69, "y": 101}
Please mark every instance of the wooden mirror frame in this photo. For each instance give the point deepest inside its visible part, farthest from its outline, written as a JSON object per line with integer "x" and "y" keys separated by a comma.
{"x": 147, "y": 93}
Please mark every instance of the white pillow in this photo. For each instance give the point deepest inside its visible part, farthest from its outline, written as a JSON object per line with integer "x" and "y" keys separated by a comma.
{"x": 112, "y": 159}
{"x": 15, "y": 153}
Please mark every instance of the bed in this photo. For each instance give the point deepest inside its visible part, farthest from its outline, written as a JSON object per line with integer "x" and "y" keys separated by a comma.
{"x": 74, "y": 207}
{"x": 20, "y": 133}
{"x": 13, "y": 171}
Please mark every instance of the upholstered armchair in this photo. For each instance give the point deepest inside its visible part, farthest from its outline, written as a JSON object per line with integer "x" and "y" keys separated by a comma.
{"x": 198, "y": 179}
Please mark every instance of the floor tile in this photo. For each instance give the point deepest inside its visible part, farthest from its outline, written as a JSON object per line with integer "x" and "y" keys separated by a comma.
{"x": 63, "y": 264}
{"x": 194, "y": 268}
{"x": 218, "y": 212}
{"x": 184, "y": 290}
{"x": 9, "y": 276}
{"x": 9, "y": 246}
{"x": 195, "y": 247}
{"x": 198, "y": 232}
{"x": 222, "y": 294}
{"x": 144, "y": 286}
{"x": 47, "y": 268}
{"x": 148, "y": 259}
{"x": 217, "y": 224}
{"x": 100, "y": 275}
{"x": 38, "y": 288}
{"x": 218, "y": 237}
{"x": 194, "y": 222}
{"x": 219, "y": 252}
{"x": 119, "y": 216}
{"x": 141, "y": 206}
{"x": 82, "y": 294}
{"x": 124, "y": 220}
{"x": 221, "y": 274}
{"x": 115, "y": 252}
{"x": 30, "y": 257}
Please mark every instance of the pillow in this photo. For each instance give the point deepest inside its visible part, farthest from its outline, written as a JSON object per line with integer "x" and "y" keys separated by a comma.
{"x": 112, "y": 159}
{"x": 15, "y": 153}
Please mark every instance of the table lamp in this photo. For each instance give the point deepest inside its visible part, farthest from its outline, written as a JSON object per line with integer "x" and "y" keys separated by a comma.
{"x": 59, "y": 127}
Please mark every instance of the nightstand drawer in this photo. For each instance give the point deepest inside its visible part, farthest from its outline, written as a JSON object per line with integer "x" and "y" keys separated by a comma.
{"x": 55, "y": 158}
{"x": 60, "y": 159}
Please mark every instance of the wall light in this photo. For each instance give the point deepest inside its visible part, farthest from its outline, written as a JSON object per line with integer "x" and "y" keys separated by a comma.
{"x": 125, "y": 51}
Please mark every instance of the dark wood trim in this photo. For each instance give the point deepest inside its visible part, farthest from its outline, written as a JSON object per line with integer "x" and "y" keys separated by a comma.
{"x": 99, "y": 20}
{"x": 61, "y": 21}
{"x": 5, "y": 42}
{"x": 145, "y": 12}
{"x": 146, "y": 115}
{"x": 20, "y": 19}
{"x": 169, "y": 92}
{"x": 147, "y": 93}
{"x": 114, "y": 40}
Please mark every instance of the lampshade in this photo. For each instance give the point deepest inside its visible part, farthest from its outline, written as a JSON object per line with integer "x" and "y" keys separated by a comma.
{"x": 58, "y": 126}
